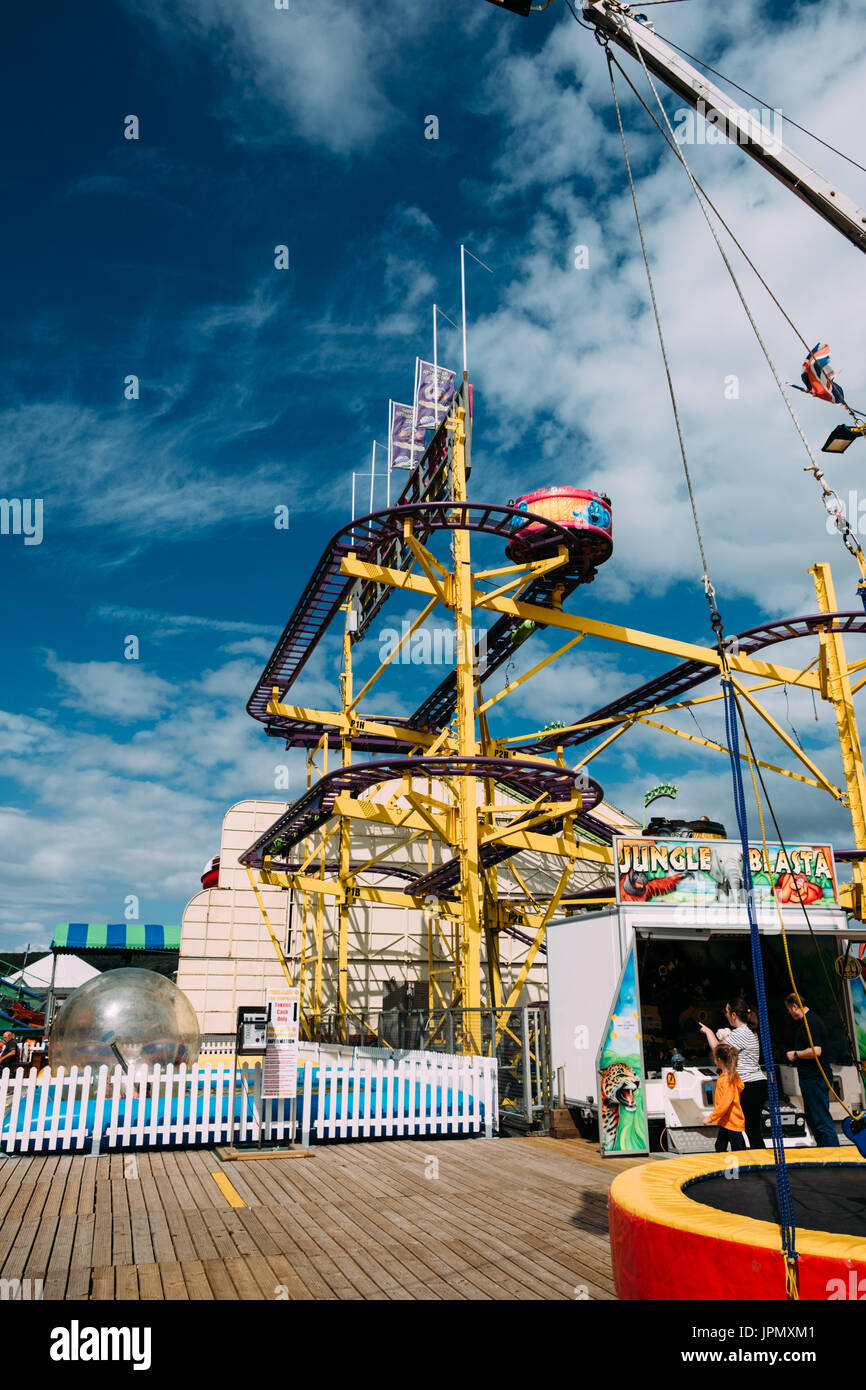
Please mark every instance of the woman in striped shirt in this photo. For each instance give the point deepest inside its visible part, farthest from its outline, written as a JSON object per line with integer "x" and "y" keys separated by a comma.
{"x": 743, "y": 1035}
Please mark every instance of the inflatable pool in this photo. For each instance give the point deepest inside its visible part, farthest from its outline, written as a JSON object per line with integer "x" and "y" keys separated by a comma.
{"x": 195, "y": 1119}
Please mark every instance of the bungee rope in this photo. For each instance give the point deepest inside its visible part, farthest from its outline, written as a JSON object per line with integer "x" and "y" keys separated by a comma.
{"x": 833, "y": 503}
{"x": 783, "y": 1187}
{"x": 715, "y": 616}
{"x": 855, "y": 1115}
{"x": 785, "y": 1199}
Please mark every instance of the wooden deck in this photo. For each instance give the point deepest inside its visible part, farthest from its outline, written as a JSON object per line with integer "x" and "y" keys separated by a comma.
{"x": 504, "y": 1219}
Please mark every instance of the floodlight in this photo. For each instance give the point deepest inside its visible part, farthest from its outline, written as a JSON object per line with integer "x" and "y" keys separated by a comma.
{"x": 521, "y": 7}
{"x": 838, "y": 442}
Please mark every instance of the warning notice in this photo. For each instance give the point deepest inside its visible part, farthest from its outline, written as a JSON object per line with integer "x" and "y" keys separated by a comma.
{"x": 280, "y": 1071}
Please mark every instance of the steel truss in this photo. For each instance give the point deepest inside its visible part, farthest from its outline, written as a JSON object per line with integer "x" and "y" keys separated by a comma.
{"x": 444, "y": 783}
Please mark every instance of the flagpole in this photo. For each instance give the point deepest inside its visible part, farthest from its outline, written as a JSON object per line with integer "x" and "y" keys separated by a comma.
{"x": 372, "y": 474}
{"x": 415, "y": 411}
{"x": 435, "y": 375}
{"x": 463, "y": 302}
{"x": 387, "y": 482}
{"x": 353, "y": 505}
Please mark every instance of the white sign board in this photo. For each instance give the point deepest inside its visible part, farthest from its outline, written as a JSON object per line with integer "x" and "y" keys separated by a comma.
{"x": 280, "y": 1071}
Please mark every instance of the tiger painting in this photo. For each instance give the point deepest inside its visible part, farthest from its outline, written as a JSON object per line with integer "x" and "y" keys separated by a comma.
{"x": 619, "y": 1083}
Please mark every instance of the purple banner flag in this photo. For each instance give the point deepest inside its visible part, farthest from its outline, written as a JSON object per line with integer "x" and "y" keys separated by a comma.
{"x": 435, "y": 394}
{"x": 407, "y": 445}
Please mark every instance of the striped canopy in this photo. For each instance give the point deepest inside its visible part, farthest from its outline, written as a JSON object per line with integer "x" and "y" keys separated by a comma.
{"x": 115, "y": 936}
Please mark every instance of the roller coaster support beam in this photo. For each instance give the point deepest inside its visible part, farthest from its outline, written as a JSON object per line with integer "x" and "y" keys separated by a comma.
{"x": 345, "y": 832}
{"x": 590, "y": 627}
{"x": 355, "y": 724}
{"x": 788, "y": 741}
{"x": 492, "y": 910}
{"x": 837, "y": 689}
{"x": 469, "y": 956}
{"x": 284, "y": 965}
{"x": 823, "y": 786}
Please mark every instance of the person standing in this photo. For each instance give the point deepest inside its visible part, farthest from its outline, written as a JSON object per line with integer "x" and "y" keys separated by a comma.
{"x": 813, "y": 1087}
{"x": 727, "y": 1110}
{"x": 8, "y": 1052}
{"x": 743, "y": 1036}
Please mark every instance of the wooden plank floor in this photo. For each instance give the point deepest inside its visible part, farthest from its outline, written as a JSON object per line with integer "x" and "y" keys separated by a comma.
{"x": 496, "y": 1219}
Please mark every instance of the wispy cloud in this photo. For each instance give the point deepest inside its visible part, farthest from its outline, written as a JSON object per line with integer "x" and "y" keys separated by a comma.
{"x": 117, "y": 690}
{"x": 172, "y": 624}
{"x": 323, "y": 67}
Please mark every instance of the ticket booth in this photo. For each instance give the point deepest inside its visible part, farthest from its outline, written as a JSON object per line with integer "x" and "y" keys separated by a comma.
{"x": 628, "y": 987}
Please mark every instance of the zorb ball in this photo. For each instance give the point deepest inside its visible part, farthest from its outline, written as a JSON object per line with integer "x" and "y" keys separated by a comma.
{"x": 129, "y": 1018}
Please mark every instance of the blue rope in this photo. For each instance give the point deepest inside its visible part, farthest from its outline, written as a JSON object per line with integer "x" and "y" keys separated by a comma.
{"x": 783, "y": 1186}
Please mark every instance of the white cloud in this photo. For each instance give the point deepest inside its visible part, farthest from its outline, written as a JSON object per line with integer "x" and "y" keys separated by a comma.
{"x": 569, "y": 365}
{"x": 108, "y": 814}
{"x": 570, "y": 389}
{"x": 324, "y": 67}
{"x": 252, "y": 646}
{"x": 118, "y": 690}
{"x": 174, "y": 624}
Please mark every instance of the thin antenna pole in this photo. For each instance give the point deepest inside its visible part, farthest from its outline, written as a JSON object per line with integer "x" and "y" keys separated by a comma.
{"x": 463, "y": 302}
{"x": 415, "y": 409}
{"x": 435, "y": 374}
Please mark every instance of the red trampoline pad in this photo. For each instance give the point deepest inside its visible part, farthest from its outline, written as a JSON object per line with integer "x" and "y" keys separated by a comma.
{"x": 665, "y": 1244}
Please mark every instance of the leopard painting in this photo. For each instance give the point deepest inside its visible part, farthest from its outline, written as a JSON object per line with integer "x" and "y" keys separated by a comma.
{"x": 619, "y": 1082}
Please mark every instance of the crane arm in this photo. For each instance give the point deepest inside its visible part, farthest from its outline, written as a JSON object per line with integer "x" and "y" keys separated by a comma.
{"x": 616, "y": 22}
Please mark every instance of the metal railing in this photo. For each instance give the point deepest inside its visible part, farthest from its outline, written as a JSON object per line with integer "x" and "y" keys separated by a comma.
{"x": 518, "y": 1038}
{"x": 212, "y": 1044}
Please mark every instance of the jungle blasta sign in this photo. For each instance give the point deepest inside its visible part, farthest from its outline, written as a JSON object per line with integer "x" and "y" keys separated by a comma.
{"x": 710, "y": 872}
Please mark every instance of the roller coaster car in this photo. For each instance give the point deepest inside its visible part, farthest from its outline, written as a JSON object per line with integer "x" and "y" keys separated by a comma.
{"x": 575, "y": 509}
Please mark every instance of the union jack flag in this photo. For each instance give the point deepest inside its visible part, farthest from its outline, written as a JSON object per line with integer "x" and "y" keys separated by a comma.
{"x": 817, "y": 377}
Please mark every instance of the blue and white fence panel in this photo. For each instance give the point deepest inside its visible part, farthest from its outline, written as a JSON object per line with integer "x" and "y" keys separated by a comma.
{"x": 339, "y": 1098}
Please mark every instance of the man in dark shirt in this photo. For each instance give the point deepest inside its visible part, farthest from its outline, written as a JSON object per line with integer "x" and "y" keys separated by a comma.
{"x": 8, "y": 1052}
{"x": 813, "y": 1087}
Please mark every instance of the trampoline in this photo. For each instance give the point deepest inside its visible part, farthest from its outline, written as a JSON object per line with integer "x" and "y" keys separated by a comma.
{"x": 687, "y": 1228}
{"x": 837, "y": 1206}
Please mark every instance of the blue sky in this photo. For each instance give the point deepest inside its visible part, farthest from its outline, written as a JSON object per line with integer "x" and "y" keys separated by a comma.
{"x": 258, "y": 387}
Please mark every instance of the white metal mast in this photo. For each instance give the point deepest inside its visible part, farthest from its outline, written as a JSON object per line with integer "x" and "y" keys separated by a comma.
{"x": 637, "y": 38}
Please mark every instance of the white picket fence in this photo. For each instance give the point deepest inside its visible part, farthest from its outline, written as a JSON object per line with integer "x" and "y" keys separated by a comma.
{"x": 366, "y": 1098}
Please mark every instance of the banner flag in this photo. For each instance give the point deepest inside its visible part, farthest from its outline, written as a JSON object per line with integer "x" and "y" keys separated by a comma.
{"x": 435, "y": 393}
{"x": 405, "y": 444}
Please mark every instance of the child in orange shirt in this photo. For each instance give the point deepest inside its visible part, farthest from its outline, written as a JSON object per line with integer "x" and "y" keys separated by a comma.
{"x": 727, "y": 1111}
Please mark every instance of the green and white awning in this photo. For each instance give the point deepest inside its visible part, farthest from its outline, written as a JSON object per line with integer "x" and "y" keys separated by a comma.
{"x": 115, "y": 936}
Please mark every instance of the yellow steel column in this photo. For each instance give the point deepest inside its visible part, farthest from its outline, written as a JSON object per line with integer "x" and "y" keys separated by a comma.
{"x": 319, "y": 942}
{"x": 302, "y": 968}
{"x": 838, "y": 686}
{"x": 492, "y": 911}
{"x": 345, "y": 844}
{"x": 469, "y": 958}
